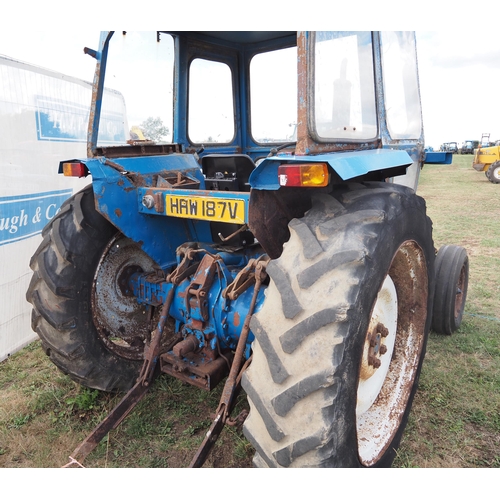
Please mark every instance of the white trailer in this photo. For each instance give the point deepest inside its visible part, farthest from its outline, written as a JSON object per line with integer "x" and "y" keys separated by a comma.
{"x": 43, "y": 120}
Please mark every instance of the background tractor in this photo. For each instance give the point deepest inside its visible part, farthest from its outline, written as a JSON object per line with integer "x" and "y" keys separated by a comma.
{"x": 451, "y": 147}
{"x": 263, "y": 230}
{"x": 487, "y": 160}
{"x": 468, "y": 147}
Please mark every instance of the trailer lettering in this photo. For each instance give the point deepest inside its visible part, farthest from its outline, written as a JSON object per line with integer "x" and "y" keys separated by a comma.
{"x": 12, "y": 224}
{"x": 24, "y": 216}
{"x": 37, "y": 217}
{"x": 51, "y": 211}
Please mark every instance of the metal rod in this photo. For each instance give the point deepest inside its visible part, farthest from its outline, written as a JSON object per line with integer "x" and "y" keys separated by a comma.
{"x": 130, "y": 400}
{"x": 231, "y": 386}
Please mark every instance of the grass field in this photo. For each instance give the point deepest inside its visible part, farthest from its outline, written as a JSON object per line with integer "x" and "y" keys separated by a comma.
{"x": 455, "y": 421}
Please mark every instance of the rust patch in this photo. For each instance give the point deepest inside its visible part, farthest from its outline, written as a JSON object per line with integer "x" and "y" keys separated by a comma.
{"x": 237, "y": 319}
{"x": 118, "y": 212}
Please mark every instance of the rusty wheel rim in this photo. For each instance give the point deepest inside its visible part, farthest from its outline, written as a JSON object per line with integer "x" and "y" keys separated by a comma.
{"x": 123, "y": 325}
{"x": 459, "y": 298}
{"x": 406, "y": 286}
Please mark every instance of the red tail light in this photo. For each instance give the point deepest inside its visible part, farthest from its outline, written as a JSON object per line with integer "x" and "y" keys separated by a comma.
{"x": 75, "y": 170}
{"x": 303, "y": 175}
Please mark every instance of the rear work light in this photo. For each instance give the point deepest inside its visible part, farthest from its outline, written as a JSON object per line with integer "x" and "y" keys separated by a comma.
{"x": 303, "y": 175}
{"x": 75, "y": 169}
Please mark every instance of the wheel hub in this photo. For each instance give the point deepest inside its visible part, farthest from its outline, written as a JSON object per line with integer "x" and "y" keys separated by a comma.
{"x": 379, "y": 346}
{"x": 391, "y": 353}
{"x": 122, "y": 323}
{"x": 460, "y": 297}
{"x": 496, "y": 173}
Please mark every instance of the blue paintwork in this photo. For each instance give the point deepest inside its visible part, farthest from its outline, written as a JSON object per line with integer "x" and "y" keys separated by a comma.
{"x": 227, "y": 316}
{"x": 117, "y": 199}
{"x": 347, "y": 165}
{"x": 441, "y": 157}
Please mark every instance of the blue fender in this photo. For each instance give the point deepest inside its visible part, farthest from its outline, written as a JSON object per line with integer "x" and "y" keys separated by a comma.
{"x": 117, "y": 185}
{"x": 347, "y": 165}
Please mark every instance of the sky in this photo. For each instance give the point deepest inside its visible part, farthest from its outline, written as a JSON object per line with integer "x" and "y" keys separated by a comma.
{"x": 459, "y": 73}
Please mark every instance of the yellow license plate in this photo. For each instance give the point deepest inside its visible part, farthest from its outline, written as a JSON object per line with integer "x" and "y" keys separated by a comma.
{"x": 206, "y": 208}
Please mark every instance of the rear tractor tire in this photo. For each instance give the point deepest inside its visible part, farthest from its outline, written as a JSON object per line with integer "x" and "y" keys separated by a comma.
{"x": 452, "y": 279}
{"x": 341, "y": 336}
{"x": 89, "y": 325}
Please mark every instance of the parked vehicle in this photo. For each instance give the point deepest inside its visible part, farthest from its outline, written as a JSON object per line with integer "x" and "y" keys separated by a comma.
{"x": 303, "y": 268}
{"x": 451, "y": 147}
{"x": 468, "y": 147}
{"x": 487, "y": 160}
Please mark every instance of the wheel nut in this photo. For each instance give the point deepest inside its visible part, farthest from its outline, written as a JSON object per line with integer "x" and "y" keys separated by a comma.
{"x": 374, "y": 361}
{"x": 382, "y": 330}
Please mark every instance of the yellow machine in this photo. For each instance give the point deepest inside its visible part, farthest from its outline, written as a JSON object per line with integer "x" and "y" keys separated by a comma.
{"x": 487, "y": 160}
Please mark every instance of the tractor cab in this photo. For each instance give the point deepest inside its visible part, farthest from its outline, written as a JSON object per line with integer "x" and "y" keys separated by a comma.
{"x": 253, "y": 95}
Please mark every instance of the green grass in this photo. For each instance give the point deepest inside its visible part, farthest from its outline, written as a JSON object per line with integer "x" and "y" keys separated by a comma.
{"x": 44, "y": 416}
{"x": 455, "y": 420}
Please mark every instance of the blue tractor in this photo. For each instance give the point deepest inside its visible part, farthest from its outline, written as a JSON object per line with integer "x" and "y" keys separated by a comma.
{"x": 253, "y": 221}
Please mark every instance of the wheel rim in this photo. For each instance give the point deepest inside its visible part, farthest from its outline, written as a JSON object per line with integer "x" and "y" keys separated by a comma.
{"x": 496, "y": 174}
{"x": 460, "y": 296}
{"x": 122, "y": 323}
{"x": 379, "y": 346}
{"x": 398, "y": 323}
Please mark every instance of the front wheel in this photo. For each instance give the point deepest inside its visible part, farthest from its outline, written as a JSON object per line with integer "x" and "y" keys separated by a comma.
{"x": 494, "y": 173}
{"x": 341, "y": 337}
